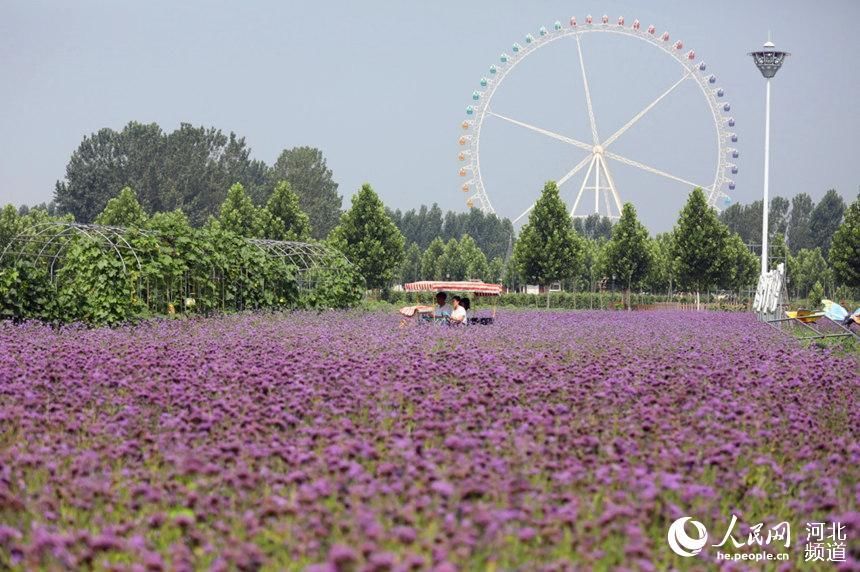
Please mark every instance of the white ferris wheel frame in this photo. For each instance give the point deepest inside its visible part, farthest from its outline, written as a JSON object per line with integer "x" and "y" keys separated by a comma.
{"x": 596, "y": 160}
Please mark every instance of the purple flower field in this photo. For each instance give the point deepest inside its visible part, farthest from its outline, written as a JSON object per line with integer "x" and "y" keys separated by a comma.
{"x": 341, "y": 442}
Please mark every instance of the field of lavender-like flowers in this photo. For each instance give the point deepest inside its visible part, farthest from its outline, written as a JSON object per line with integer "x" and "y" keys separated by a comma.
{"x": 341, "y": 442}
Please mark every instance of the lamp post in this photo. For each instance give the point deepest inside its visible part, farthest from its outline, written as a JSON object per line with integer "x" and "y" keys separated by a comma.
{"x": 768, "y": 61}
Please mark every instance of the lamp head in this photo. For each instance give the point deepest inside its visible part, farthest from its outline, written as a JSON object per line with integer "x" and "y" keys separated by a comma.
{"x": 768, "y": 60}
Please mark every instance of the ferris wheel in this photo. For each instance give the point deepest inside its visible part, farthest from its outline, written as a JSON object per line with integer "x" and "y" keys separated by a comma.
{"x": 597, "y": 185}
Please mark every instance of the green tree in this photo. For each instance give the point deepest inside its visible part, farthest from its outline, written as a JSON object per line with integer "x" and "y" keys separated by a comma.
{"x": 845, "y": 250}
{"x": 662, "y": 274}
{"x": 94, "y": 174}
{"x": 825, "y": 220}
{"x": 411, "y": 269}
{"x": 369, "y": 239}
{"x": 816, "y": 294}
{"x": 745, "y": 220}
{"x": 495, "y": 270}
{"x": 594, "y": 226}
{"x": 310, "y": 178}
{"x": 778, "y": 216}
{"x": 698, "y": 248}
{"x": 452, "y": 226}
{"x": 430, "y": 267}
{"x": 741, "y": 267}
{"x": 628, "y": 255}
{"x": 490, "y": 233}
{"x": 511, "y": 277}
{"x": 451, "y": 264}
{"x": 798, "y": 233}
{"x": 200, "y": 165}
{"x": 778, "y": 250}
{"x": 430, "y": 224}
{"x": 733, "y": 217}
{"x": 289, "y": 222}
{"x": 806, "y": 268}
{"x": 240, "y": 216}
{"x": 123, "y": 210}
{"x": 190, "y": 168}
{"x": 10, "y": 225}
{"x": 593, "y": 266}
{"x": 421, "y": 226}
{"x": 473, "y": 258}
{"x": 549, "y": 249}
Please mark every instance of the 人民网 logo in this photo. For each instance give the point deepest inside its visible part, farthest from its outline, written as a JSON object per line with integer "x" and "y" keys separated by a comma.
{"x": 681, "y": 543}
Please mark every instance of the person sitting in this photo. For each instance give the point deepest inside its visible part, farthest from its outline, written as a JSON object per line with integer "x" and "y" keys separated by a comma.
{"x": 852, "y": 319}
{"x": 443, "y": 310}
{"x": 467, "y": 305}
{"x": 458, "y": 314}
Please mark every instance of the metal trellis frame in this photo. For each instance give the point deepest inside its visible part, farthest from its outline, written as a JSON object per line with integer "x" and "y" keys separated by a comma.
{"x": 307, "y": 257}
{"x": 48, "y": 241}
{"x": 45, "y": 244}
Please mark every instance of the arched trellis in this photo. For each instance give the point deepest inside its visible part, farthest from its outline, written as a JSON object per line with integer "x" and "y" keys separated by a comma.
{"x": 47, "y": 242}
{"x": 308, "y": 258}
{"x": 45, "y": 245}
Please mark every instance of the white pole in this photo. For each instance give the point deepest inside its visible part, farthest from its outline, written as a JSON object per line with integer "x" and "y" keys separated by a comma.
{"x": 765, "y": 205}
{"x": 597, "y": 186}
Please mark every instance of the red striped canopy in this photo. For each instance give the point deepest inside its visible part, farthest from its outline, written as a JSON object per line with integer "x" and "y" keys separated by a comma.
{"x": 478, "y": 288}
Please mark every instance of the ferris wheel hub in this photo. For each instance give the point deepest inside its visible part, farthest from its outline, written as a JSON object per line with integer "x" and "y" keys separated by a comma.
{"x": 598, "y": 150}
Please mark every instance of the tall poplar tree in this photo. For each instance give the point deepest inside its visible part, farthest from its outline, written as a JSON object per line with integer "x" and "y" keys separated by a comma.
{"x": 549, "y": 249}
{"x": 369, "y": 239}
{"x": 699, "y": 245}
{"x": 628, "y": 255}
{"x": 289, "y": 222}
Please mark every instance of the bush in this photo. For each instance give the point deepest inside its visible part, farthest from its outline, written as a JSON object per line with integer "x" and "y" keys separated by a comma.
{"x": 816, "y": 294}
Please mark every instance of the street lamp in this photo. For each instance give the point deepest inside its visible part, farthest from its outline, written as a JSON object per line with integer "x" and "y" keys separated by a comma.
{"x": 768, "y": 61}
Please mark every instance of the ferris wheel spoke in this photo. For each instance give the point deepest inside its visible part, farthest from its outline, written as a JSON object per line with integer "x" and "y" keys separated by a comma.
{"x": 565, "y": 178}
{"x": 527, "y": 211}
{"x": 550, "y": 134}
{"x": 642, "y": 113}
{"x": 574, "y": 171}
{"x": 649, "y": 169}
{"x": 594, "y": 137}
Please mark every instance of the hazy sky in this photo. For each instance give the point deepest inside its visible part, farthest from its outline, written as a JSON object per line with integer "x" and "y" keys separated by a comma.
{"x": 381, "y": 87}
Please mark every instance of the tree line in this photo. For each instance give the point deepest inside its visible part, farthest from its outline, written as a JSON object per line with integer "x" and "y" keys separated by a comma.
{"x": 420, "y": 227}
{"x": 190, "y": 168}
{"x": 801, "y": 223}
{"x": 701, "y": 252}
{"x": 210, "y": 176}
{"x": 801, "y": 234}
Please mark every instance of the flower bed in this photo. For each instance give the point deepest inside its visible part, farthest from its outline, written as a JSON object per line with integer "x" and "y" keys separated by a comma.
{"x": 341, "y": 441}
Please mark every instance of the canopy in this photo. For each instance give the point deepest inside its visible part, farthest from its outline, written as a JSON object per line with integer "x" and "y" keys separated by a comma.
{"x": 477, "y": 287}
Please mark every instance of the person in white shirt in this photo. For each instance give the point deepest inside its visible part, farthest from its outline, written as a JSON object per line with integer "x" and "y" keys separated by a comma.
{"x": 458, "y": 314}
{"x": 443, "y": 310}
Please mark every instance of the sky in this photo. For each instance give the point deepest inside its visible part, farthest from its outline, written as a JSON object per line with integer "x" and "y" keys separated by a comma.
{"x": 381, "y": 87}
